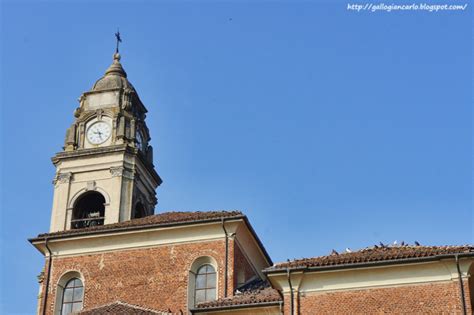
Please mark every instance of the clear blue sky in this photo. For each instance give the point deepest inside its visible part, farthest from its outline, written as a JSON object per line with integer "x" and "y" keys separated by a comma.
{"x": 328, "y": 128}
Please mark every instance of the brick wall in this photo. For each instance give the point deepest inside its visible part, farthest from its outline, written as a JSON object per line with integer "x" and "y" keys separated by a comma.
{"x": 241, "y": 266}
{"x": 153, "y": 277}
{"x": 431, "y": 298}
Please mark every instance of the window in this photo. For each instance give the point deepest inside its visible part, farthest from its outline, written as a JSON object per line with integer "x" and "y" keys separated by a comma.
{"x": 89, "y": 210}
{"x": 205, "y": 287}
{"x": 72, "y": 297}
{"x": 203, "y": 281}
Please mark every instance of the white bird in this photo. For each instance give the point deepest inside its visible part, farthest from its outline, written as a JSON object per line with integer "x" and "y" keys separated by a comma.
{"x": 395, "y": 243}
{"x": 348, "y": 250}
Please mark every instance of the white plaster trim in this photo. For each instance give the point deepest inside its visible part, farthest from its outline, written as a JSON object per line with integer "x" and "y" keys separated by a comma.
{"x": 385, "y": 286}
{"x": 98, "y": 252}
{"x": 133, "y": 239}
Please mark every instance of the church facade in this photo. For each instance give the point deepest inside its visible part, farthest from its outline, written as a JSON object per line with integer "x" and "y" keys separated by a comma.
{"x": 107, "y": 252}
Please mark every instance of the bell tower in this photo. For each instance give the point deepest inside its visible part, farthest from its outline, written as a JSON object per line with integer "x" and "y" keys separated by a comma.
{"x": 105, "y": 173}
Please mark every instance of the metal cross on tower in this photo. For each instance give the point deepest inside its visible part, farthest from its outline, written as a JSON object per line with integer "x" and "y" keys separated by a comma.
{"x": 119, "y": 40}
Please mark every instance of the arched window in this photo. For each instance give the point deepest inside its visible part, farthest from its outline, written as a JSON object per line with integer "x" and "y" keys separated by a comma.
{"x": 205, "y": 288}
{"x": 203, "y": 280}
{"x": 139, "y": 211}
{"x": 89, "y": 210}
{"x": 72, "y": 297}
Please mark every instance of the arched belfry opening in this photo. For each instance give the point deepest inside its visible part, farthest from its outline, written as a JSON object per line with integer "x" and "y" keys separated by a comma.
{"x": 89, "y": 210}
{"x": 139, "y": 211}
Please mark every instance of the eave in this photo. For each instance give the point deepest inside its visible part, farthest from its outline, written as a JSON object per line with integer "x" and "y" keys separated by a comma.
{"x": 235, "y": 307}
{"x": 274, "y": 271}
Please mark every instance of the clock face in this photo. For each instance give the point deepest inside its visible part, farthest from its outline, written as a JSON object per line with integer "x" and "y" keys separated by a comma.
{"x": 99, "y": 132}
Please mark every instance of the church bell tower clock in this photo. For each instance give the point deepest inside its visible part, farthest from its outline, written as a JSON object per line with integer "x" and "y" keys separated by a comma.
{"x": 105, "y": 173}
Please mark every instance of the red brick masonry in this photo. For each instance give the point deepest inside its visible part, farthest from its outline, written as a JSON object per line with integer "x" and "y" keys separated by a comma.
{"x": 435, "y": 298}
{"x": 156, "y": 278}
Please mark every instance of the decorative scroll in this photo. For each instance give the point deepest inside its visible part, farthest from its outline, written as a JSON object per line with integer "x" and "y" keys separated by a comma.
{"x": 117, "y": 171}
{"x": 127, "y": 99}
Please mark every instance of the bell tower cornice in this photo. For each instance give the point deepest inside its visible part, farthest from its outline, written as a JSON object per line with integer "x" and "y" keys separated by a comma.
{"x": 121, "y": 148}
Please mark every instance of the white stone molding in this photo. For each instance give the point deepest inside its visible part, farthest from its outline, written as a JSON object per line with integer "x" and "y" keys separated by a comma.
{"x": 99, "y": 114}
{"x": 117, "y": 171}
{"x": 91, "y": 185}
{"x": 72, "y": 201}
{"x": 63, "y": 178}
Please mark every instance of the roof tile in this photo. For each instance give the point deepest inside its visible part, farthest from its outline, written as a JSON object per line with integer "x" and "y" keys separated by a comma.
{"x": 373, "y": 254}
{"x": 121, "y": 308}
{"x": 166, "y": 218}
{"x": 255, "y": 292}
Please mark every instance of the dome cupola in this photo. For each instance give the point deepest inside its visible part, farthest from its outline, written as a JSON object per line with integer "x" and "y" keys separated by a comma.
{"x": 115, "y": 77}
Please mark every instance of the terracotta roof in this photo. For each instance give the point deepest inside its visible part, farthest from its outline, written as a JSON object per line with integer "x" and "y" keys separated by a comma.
{"x": 374, "y": 254}
{"x": 162, "y": 219}
{"x": 121, "y": 308}
{"x": 257, "y": 292}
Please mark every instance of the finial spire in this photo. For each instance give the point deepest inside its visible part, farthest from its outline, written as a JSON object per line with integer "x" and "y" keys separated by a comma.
{"x": 119, "y": 40}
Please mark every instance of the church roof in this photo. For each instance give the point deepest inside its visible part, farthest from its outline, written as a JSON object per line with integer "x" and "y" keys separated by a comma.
{"x": 255, "y": 293}
{"x": 165, "y": 219}
{"x": 157, "y": 220}
{"x": 121, "y": 308}
{"x": 375, "y": 255}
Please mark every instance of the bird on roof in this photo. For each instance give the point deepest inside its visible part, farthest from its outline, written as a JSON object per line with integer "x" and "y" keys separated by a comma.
{"x": 395, "y": 243}
{"x": 402, "y": 243}
{"x": 417, "y": 244}
{"x": 348, "y": 250}
{"x": 334, "y": 252}
{"x": 382, "y": 245}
